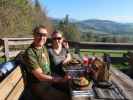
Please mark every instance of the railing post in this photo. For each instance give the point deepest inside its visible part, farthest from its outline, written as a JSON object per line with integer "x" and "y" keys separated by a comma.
{"x": 130, "y": 61}
{"x": 6, "y": 49}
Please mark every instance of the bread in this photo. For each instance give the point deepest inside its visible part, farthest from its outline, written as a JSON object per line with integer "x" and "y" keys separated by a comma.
{"x": 82, "y": 81}
{"x": 74, "y": 61}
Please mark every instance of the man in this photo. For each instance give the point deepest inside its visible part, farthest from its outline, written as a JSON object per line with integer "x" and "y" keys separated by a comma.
{"x": 37, "y": 64}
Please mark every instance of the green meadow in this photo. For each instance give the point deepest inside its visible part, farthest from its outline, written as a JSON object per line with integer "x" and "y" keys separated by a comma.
{"x": 99, "y": 53}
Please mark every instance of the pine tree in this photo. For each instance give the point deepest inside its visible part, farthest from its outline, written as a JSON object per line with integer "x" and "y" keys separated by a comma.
{"x": 41, "y": 17}
{"x": 70, "y": 30}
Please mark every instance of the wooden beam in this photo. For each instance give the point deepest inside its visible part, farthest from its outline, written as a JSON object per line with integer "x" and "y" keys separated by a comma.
{"x": 10, "y": 82}
{"x": 101, "y": 45}
{"x": 17, "y": 91}
{"x": 20, "y": 42}
{"x": 18, "y": 39}
{"x": 14, "y": 53}
{"x": 6, "y": 48}
{"x": 124, "y": 83}
{"x": 2, "y": 54}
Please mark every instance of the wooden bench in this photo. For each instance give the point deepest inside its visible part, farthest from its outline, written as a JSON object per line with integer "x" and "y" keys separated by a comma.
{"x": 12, "y": 87}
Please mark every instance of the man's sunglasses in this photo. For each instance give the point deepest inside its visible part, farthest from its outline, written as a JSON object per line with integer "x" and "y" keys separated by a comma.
{"x": 41, "y": 34}
{"x": 57, "y": 38}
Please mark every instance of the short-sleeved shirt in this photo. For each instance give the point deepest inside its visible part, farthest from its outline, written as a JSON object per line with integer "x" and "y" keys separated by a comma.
{"x": 37, "y": 58}
{"x": 56, "y": 60}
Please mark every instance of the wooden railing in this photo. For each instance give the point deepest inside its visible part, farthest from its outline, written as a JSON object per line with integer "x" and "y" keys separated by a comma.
{"x": 7, "y": 44}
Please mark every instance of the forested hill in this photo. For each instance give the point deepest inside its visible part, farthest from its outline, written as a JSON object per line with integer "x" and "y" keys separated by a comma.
{"x": 103, "y": 26}
{"x": 19, "y": 17}
{"x": 107, "y": 26}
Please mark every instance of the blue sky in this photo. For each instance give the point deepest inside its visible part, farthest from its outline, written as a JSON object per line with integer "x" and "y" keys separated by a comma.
{"x": 115, "y": 10}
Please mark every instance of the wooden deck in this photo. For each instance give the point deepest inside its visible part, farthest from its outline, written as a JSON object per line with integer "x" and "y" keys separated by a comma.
{"x": 96, "y": 93}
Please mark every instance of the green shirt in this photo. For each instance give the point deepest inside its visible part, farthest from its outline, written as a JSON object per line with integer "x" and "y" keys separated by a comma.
{"x": 37, "y": 58}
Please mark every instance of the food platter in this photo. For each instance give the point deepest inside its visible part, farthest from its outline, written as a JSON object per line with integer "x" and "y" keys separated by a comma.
{"x": 75, "y": 70}
{"x": 81, "y": 82}
{"x": 78, "y": 73}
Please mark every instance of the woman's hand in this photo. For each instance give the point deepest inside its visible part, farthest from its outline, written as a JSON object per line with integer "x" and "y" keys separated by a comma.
{"x": 67, "y": 59}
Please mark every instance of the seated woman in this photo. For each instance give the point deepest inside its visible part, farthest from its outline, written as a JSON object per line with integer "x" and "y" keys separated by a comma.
{"x": 59, "y": 55}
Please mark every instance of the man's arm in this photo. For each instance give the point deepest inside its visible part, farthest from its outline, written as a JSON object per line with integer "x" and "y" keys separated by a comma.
{"x": 38, "y": 73}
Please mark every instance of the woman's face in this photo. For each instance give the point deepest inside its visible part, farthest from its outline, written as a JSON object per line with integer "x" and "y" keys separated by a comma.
{"x": 57, "y": 39}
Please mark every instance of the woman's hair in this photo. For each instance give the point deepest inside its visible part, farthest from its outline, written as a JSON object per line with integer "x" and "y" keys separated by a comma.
{"x": 54, "y": 34}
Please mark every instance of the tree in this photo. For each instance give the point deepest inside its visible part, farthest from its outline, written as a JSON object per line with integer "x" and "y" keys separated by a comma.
{"x": 19, "y": 17}
{"x": 70, "y": 30}
{"x": 41, "y": 17}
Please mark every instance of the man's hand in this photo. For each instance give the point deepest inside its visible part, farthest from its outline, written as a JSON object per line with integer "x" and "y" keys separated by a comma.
{"x": 67, "y": 77}
{"x": 61, "y": 80}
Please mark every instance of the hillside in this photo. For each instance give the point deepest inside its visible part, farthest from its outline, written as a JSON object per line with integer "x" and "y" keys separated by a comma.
{"x": 102, "y": 27}
{"x": 107, "y": 26}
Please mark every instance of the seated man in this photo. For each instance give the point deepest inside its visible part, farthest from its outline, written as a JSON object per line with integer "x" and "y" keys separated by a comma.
{"x": 36, "y": 59}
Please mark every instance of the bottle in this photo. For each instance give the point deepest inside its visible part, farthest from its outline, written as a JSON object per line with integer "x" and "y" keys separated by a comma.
{"x": 3, "y": 72}
{"x": 9, "y": 65}
{"x": 85, "y": 60}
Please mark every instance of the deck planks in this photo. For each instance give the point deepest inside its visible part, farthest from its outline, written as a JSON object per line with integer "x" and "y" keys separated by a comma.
{"x": 111, "y": 93}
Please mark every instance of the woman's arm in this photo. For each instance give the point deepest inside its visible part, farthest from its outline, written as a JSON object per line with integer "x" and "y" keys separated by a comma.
{"x": 67, "y": 59}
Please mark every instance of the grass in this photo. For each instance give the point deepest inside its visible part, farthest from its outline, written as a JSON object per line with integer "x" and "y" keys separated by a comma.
{"x": 99, "y": 53}
{"x": 2, "y": 60}
{"x": 112, "y": 53}
{"x": 121, "y": 65}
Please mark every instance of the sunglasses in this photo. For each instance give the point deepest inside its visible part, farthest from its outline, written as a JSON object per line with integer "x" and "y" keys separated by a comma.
{"x": 41, "y": 34}
{"x": 57, "y": 38}
{"x": 65, "y": 41}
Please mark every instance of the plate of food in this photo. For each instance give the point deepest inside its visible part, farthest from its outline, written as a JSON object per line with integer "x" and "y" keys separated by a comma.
{"x": 81, "y": 81}
{"x": 73, "y": 65}
{"x": 74, "y": 61}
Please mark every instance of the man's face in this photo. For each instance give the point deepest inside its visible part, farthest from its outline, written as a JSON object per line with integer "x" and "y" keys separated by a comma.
{"x": 41, "y": 37}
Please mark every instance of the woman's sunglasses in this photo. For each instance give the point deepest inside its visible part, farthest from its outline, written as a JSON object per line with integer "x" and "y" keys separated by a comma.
{"x": 57, "y": 38}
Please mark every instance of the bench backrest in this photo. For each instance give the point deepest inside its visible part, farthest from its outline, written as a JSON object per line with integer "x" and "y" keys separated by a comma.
{"x": 12, "y": 86}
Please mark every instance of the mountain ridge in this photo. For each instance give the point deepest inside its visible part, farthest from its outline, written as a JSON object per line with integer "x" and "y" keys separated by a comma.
{"x": 102, "y": 26}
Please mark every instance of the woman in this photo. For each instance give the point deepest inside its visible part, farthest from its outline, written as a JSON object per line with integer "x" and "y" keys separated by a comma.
{"x": 58, "y": 54}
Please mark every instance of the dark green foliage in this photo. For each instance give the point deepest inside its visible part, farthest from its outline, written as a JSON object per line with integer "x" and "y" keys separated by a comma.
{"x": 70, "y": 30}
